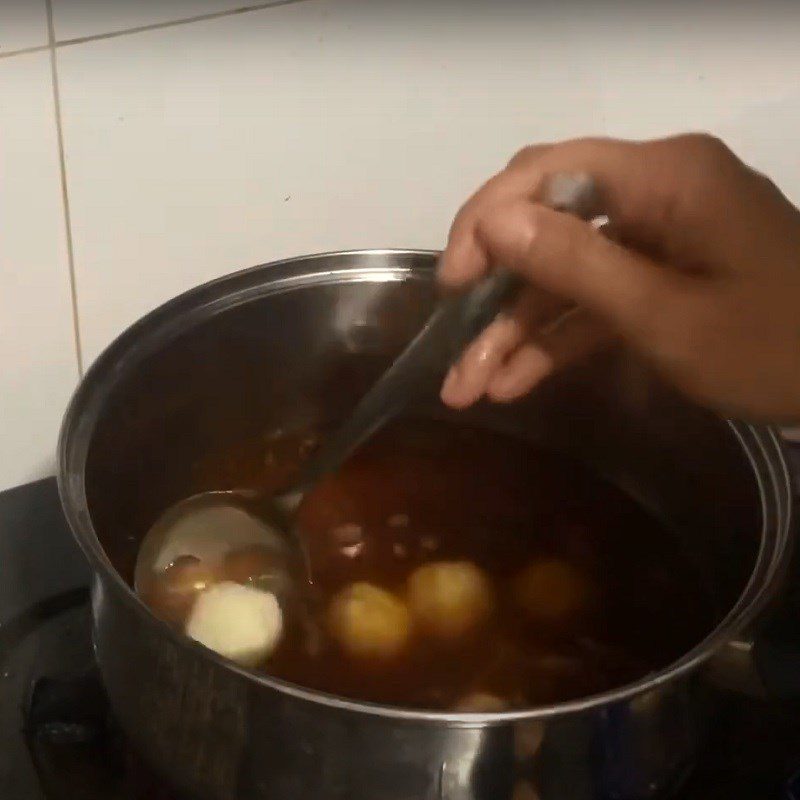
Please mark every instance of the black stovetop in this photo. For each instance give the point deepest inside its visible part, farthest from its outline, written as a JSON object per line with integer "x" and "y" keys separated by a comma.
{"x": 58, "y": 742}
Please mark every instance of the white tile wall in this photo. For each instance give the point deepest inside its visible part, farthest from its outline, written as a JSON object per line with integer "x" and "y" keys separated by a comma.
{"x": 200, "y": 148}
{"x": 193, "y": 151}
{"x": 75, "y": 19}
{"x": 23, "y": 24}
{"x": 727, "y": 68}
{"x": 37, "y": 345}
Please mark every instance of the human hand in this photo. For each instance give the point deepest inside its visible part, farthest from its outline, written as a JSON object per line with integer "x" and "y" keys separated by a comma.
{"x": 698, "y": 270}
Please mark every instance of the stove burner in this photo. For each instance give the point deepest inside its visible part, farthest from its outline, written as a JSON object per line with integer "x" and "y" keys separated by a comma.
{"x": 67, "y": 711}
{"x": 75, "y": 747}
{"x": 15, "y": 629}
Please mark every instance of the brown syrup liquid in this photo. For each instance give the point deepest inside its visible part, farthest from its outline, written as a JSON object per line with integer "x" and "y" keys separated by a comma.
{"x": 426, "y": 491}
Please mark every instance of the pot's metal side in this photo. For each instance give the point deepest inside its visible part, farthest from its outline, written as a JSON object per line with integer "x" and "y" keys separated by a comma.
{"x": 733, "y": 666}
{"x": 222, "y": 737}
{"x": 224, "y": 733}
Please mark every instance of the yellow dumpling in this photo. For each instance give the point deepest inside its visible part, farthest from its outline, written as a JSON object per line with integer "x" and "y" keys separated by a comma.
{"x": 449, "y": 599}
{"x": 369, "y": 622}
{"x": 551, "y": 591}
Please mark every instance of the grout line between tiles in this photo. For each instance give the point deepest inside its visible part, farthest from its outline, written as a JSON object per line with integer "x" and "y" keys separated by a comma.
{"x": 64, "y": 193}
{"x": 25, "y": 50}
{"x": 53, "y": 42}
{"x": 173, "y": 23}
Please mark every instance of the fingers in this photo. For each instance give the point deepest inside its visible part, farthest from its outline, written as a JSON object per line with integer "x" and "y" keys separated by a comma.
{"x": 645, "y": 188}
{"x": 643, "y": 191}
{"x": 468, "y": 380}
{"x": 573, "y": 260}
{"x": 572, "y": 338}
{"x": 464, "y": 260}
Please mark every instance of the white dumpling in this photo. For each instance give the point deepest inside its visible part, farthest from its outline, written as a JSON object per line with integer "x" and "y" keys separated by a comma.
{"x": 239, "y": 622}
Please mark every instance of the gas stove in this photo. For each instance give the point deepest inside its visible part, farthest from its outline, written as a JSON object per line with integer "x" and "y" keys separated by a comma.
{"x": 58, "y": 740}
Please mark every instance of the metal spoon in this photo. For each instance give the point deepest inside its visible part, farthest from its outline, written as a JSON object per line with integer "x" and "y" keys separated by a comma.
{"x": 452, "y": 326}
{"x": 206, "y": 525}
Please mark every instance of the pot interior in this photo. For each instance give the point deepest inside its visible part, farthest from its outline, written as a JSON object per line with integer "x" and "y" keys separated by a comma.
{"x": 292, "y": 347}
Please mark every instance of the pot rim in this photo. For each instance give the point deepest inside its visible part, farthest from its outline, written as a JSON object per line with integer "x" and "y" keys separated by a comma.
{"x": 761, "y": 444}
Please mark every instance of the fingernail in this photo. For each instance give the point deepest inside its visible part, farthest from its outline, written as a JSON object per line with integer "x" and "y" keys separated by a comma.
{"x": 450, "y": 385}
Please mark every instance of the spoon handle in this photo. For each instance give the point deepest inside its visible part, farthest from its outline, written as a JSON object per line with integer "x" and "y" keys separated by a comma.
{"x": 451, "y": 327}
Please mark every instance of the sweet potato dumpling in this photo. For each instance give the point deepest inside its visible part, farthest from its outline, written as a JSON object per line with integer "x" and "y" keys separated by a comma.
{"x": 449, "y": 599}
{"x": 551, "y": 591}
{"x": 369, "y": 622}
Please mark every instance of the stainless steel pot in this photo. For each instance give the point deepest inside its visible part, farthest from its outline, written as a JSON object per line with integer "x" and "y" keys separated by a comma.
{"x": 289, "y": 345}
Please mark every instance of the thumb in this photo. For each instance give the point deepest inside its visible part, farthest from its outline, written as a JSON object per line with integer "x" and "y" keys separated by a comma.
{"x": 571, "y": 258}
